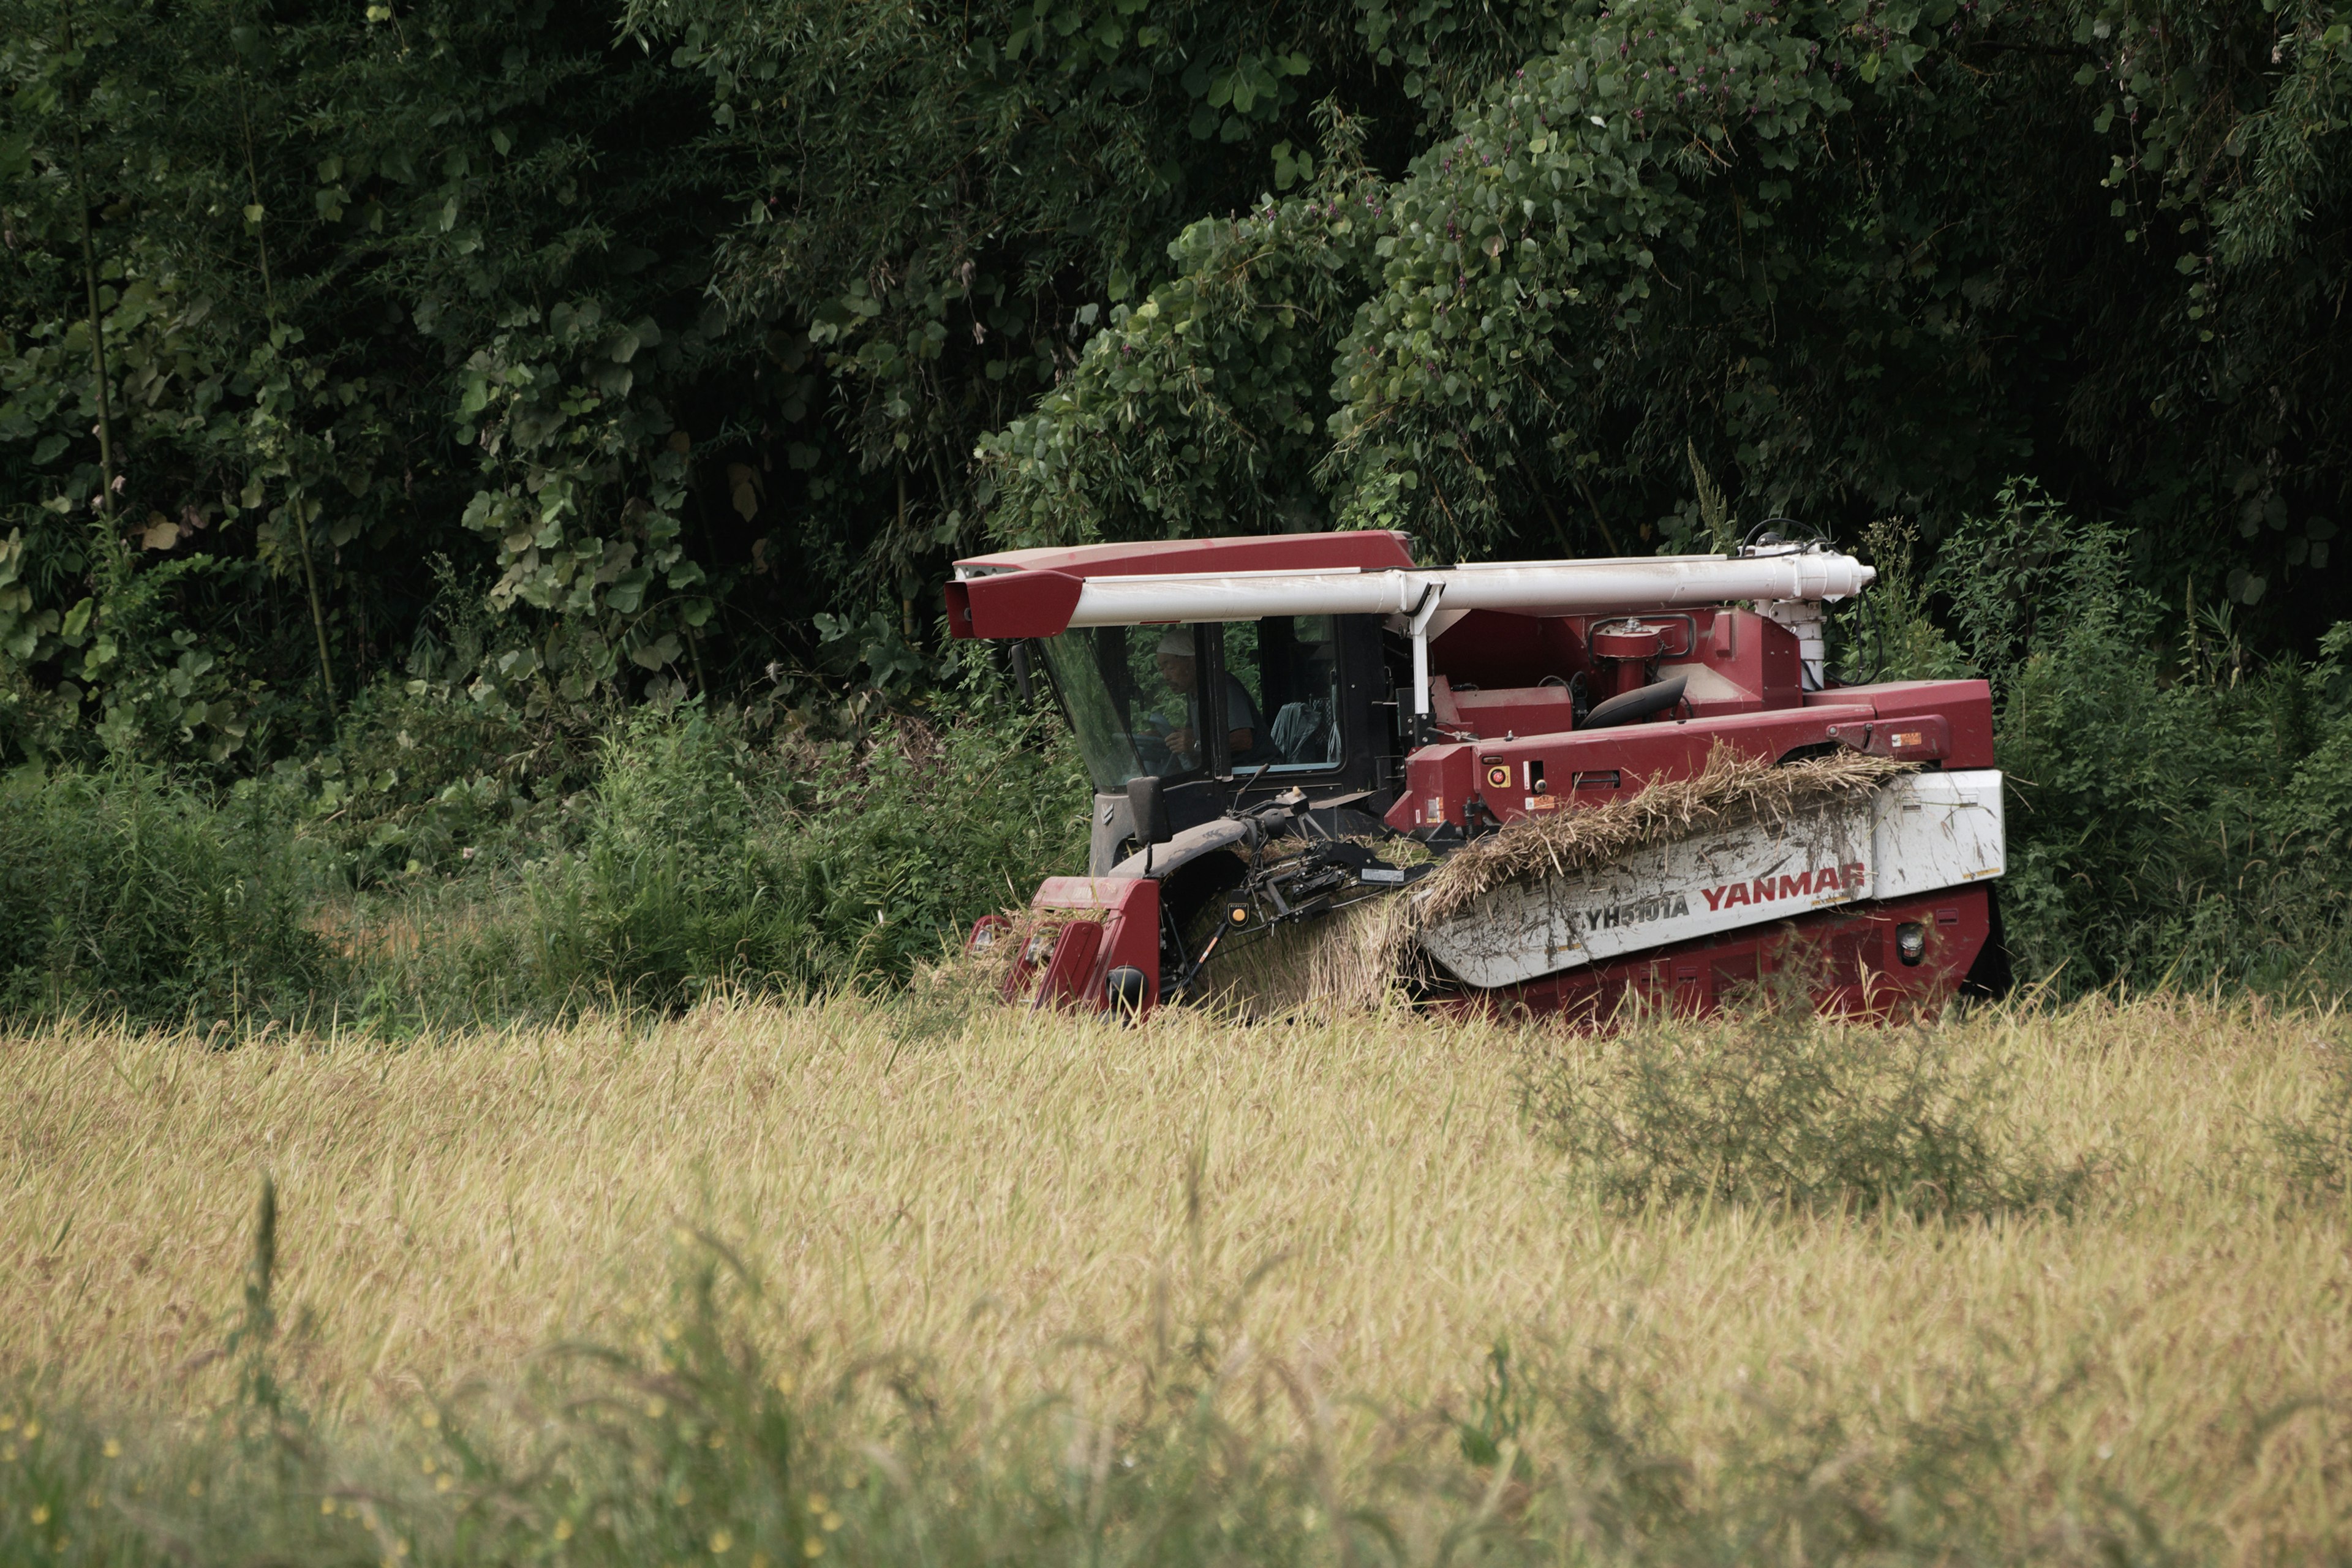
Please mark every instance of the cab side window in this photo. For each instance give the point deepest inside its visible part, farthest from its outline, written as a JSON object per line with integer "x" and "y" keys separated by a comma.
{"x": 1286, "y": 673}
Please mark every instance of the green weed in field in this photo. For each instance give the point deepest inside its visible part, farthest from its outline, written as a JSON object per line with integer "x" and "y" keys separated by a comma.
{"x": 1778, "y": 1107}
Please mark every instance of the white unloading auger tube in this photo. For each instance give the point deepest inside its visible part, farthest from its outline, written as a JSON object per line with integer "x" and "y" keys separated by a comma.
{"x": 1558, "y": 588}
{"x": 1789, "y": 577}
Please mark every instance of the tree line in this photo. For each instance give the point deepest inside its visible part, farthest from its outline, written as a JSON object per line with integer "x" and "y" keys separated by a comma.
{"x": 573, "y": 354}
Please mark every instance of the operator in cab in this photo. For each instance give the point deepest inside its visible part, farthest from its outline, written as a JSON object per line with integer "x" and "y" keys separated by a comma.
{"x": 1246, "y": 742}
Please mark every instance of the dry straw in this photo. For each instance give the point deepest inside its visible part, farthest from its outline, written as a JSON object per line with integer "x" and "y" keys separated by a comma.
{"x": 1731, "y": 791}
{"x": 1361, "y": 1199}
{"x": 977, "y": 973}
{"x": 1355, "y": 960}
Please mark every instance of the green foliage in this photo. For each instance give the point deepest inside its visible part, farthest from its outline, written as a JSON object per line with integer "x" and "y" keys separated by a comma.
{"x": 690, "y": 853}
{"x": 427, "y": 781}
{"x": 1202, "y": 407}
{"x": 612, "y": 304}
{"x": 1891, "y": 631}
{"x": 351, "y": 298}
{"x": 705, "y": 860}
{"x": 1793, "y": 1111}
{"x": 1830, "y": 250}
{"x": 677, "y": 324}
{"x": 120, "y": 892}
{"x": 2180, "y": 821}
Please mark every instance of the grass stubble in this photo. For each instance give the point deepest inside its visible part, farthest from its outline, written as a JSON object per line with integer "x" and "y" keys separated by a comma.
{"x": 1345, "y": 1237}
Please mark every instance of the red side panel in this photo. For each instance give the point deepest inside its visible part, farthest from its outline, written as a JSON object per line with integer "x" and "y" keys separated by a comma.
{"x": 1437, "y": 788}
{"x": 1965, "y": 705}
{"x": 1012, "y": 605}
{"x": 1072, "y": 966}
{"x": 1850, "y": 959}
{"x": 1128, "y": 937}
{"x": 1500, "y": 647}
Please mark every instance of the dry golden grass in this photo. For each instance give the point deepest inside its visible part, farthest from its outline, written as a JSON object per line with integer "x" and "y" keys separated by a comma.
{"x": 449, "y": 1205}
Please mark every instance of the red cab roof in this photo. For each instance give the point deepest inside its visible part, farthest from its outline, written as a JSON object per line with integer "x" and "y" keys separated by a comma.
{"x": 1031, "y": 593}
{"x": 1371, "y": 550}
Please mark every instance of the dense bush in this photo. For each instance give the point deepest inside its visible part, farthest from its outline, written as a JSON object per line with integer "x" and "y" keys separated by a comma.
{"x": 1784, "y": 1109}
{"x": 2179, "y": 809}
{"x": 121, "y": 891}
{"x": 706, "y": 859}
{"x": 690, "y": 850}
{"x": 683, "y": 329}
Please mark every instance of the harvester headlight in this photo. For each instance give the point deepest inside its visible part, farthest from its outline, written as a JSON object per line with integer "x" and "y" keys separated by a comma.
{"x": 1911, "y": 942}
{"x": 1237, "y": 914}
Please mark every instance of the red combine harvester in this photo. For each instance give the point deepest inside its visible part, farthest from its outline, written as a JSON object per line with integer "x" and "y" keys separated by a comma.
{"x": 1270, "y": 723}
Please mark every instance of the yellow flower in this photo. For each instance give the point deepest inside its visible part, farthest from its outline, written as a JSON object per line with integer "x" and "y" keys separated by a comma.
{"x": 40, "y": 1513}
{"x": 656, "y": 1407}
{"x": 759, "y": 1559}
{"x": 563, "y": 1530}
{"x": 114, "y": 1449}
{"x": 785, "y": 1384}
{"x": 443, "y": 1483}
{"x": 32, "y": 1431}
{"x": 813, "y": 1546}
{"x": 326, "y": 1506}
{"x": 684, "y": 1495}
{"x": 7, "y": 1423}
{"x": 720, "y": 1542}
{"x": 430, "y": 1419}
{"x": 195, "y": 1488}
{"x": 818, "y": 1503}
{"x": 830, "y": 1522}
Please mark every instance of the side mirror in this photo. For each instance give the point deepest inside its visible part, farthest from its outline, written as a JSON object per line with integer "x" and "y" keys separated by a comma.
{"x": 1149, "y": 809}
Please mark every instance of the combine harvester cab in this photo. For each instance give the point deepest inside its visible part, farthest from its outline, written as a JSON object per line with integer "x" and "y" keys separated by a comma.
{"x": 1563, "y": 785}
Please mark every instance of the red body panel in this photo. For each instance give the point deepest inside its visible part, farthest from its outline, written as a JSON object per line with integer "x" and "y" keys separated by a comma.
{"x": 1127, "y": 937}
{"x": 1948, "y": 721}
{"x": 1016, "y": 604}
{"x": 1031, "y": 593}
{"x": 1736, "y": 661}
{"x": 1857, "y": 969}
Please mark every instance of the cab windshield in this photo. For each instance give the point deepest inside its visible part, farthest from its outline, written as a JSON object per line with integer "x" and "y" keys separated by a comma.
{"x": 1135, "y": 697}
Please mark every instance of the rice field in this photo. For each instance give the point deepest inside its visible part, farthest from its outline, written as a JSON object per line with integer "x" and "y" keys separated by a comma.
{"x": 1023, "y": 1205}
